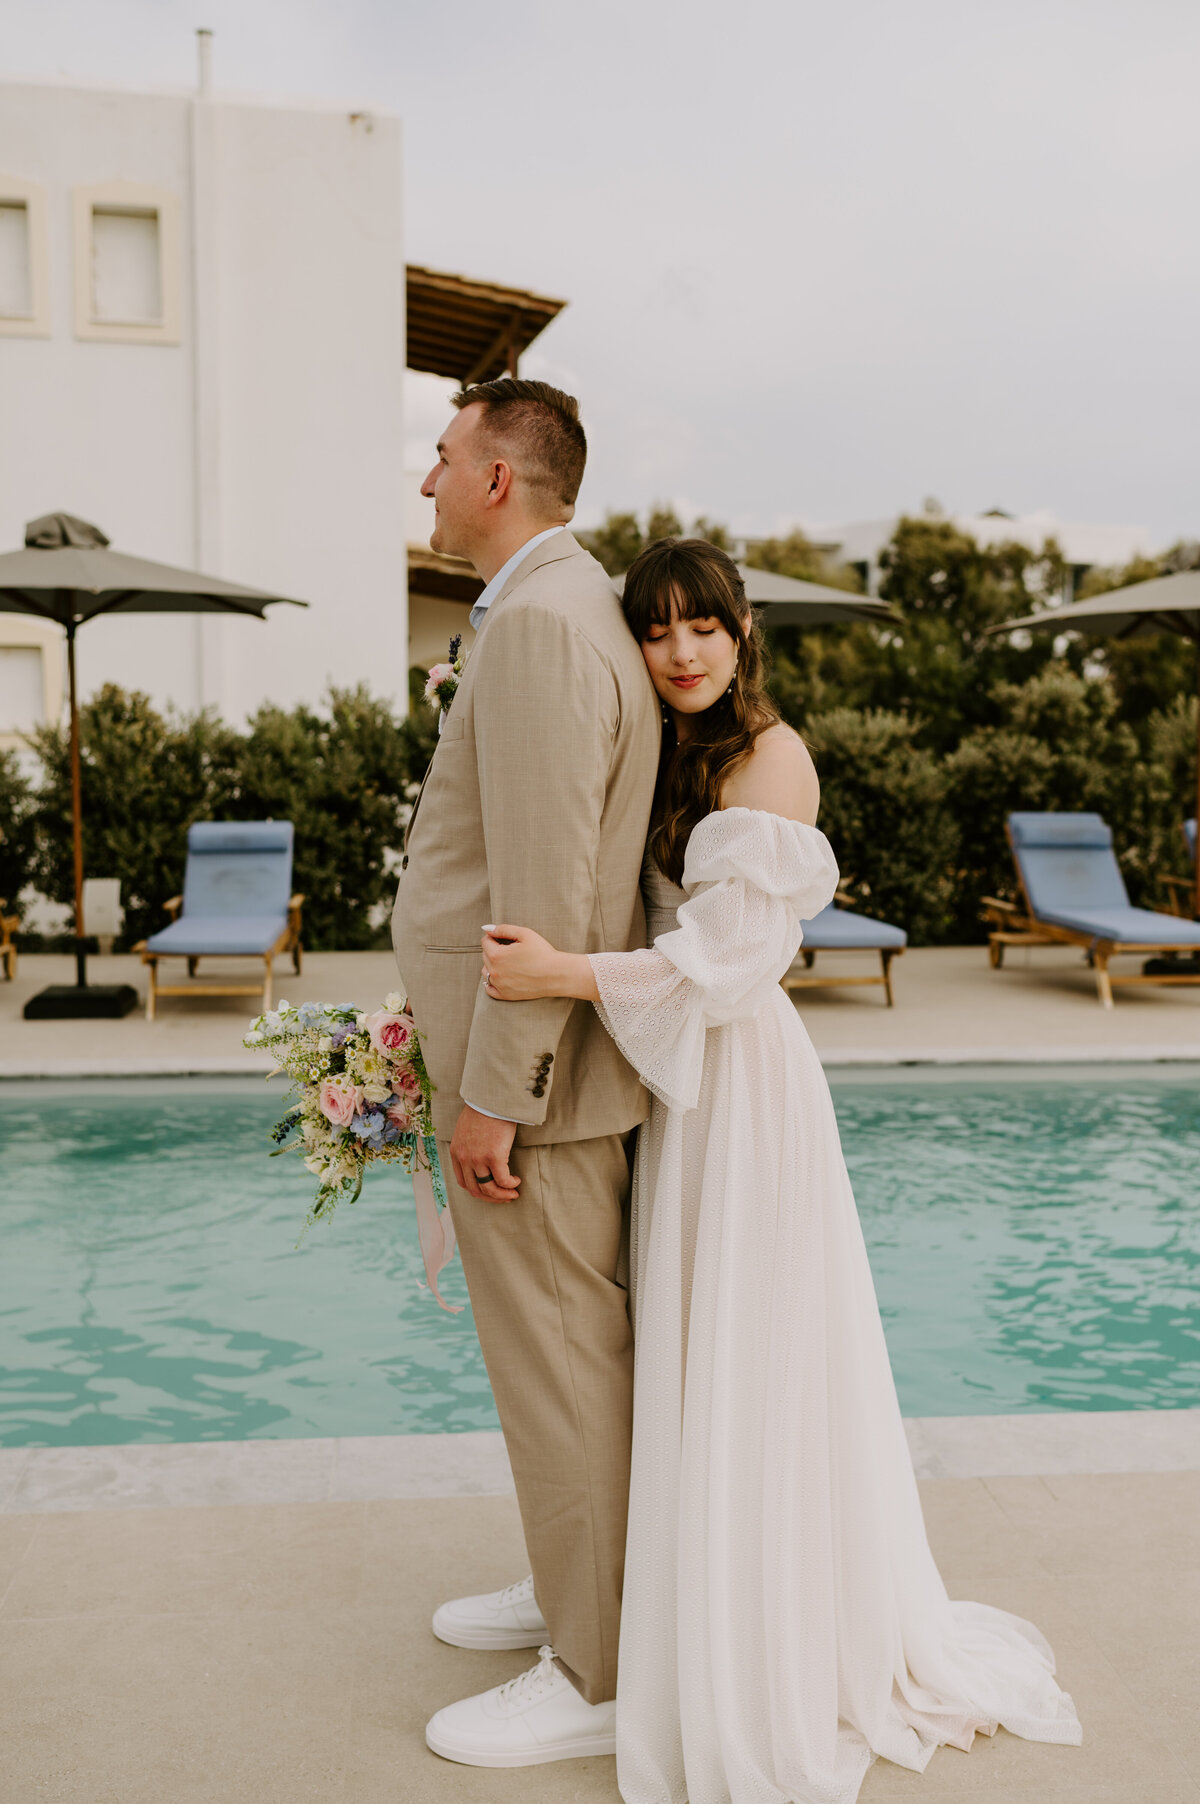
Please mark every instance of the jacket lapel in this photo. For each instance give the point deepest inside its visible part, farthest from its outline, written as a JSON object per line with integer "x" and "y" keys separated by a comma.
{"x": 551, "y": 551}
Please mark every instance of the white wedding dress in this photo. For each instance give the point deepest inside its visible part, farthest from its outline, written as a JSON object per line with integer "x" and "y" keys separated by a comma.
{"x": 784, "y": 1622}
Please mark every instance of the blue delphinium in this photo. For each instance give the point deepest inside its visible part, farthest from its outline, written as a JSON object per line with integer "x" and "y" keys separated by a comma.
{"x": 369, "y": 1126}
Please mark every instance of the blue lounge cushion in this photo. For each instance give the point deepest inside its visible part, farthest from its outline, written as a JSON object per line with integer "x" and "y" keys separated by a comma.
{"x": 1072, "y": 879}
{"x": 835, "y": 928}
{"x": 191, "y": 937}
{"x": 1135, "y": 926}
{"x": 236, "y": 869}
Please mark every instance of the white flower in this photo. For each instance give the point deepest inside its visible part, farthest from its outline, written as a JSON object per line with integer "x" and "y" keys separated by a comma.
{"x": 394, "y": 1002}
{"x": 252, "y": 1038}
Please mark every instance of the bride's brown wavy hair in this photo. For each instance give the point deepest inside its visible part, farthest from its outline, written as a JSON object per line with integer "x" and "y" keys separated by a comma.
{"x": 697, "y": 581}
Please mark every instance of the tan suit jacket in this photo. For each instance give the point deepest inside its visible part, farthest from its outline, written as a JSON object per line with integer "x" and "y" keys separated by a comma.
{"x": 534, "y": 811}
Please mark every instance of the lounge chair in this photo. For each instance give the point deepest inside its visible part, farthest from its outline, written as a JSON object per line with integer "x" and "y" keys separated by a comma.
{"x": 842, "y": 930}
{"x": 1074, "y": 895}
{"x": 236, "y": 903}
{"x": 8, "y": 946}
{"x": 1181, "y": 891}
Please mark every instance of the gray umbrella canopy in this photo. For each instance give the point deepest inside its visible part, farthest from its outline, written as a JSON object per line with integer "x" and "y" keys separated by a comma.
{"x": 1165, "y": 604}
{"x": 786, "y": 602}
{"x": 67, "y": 573}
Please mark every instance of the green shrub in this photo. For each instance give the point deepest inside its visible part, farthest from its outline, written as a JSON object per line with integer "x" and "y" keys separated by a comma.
{"x": 145, "y": 779}
{"x": 883, "y": 807}
{"x": 1062, "y": 747}
{"x": 17, "y": 830}
{"x": 341, "y": 776}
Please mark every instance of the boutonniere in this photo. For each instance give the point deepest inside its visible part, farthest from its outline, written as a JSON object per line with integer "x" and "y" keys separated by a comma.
{"x": 443, "y": 678}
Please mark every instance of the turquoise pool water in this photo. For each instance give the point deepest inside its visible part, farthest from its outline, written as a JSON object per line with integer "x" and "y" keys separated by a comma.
{"x": 1035, "y": 1244}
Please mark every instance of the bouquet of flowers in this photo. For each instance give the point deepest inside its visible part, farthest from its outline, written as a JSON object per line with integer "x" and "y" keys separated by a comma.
{"x": 362, "y": 1096}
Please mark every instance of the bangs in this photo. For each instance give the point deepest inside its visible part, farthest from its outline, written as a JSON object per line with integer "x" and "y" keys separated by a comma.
{"x": 683, "y": 579}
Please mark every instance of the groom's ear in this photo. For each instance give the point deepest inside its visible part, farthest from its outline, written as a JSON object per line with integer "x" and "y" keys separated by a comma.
{"x": 500, "y": 481}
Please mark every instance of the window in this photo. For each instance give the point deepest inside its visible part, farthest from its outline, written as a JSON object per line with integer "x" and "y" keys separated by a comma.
{"x": 16, "y": 274}
{"x": 127, "y": 279}
{"x": 126, "y": 272}
{"x": 24, "y": 296}
{"x": 22, "y": 689}
{"x": 31, "y": 677}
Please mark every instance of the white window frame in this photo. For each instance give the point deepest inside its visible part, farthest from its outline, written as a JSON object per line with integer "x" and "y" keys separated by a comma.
{"x": 24, "y": 632}
{"x": 132, "y": 197}
{"x": 15, "y": 190}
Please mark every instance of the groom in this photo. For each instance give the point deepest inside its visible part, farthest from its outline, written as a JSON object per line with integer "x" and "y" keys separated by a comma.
{"x": 535, "y": 809}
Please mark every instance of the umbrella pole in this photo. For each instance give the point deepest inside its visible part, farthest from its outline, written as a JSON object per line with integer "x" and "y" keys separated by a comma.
{"x": 76, "y": 813}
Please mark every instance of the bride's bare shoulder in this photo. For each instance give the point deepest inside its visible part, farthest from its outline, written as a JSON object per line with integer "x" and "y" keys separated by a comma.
{"x": 779, "y": 776}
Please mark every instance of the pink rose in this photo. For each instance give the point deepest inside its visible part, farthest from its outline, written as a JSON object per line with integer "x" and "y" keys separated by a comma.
{"x": 408, "y": 1084}
{"x": 439, "y": 673}
{"x": 400, "y": 1113}
{"x": 339, "y": 1101}
{"x": 389, "y": 1033}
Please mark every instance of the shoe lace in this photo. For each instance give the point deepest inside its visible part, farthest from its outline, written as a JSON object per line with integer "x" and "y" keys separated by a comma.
{"x": 532, "y": 1684}
{"x": 520, "y": 1593}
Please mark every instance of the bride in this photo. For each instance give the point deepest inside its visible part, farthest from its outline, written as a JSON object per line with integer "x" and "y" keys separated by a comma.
{"x": 784, "y": 1623}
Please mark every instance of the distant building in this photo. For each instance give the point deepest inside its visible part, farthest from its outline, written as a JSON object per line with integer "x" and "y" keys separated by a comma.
{"x": 202, "y": 350}
{"x": 860, "y": 543}
{"x": 205, "y": 321}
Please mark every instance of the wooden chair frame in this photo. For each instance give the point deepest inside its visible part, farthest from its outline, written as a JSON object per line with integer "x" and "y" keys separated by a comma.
{"x": 1180, "y": 894}
{"x": 288, "y": 941}
{"x": 1017, "y": 925}
{"x": 793, "y": 980}
{"x": 8, "y": 946}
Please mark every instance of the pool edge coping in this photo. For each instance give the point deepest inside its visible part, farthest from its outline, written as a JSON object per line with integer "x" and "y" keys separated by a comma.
{"x": 253, "y": 1065}
{"x": 379, "y": 1468}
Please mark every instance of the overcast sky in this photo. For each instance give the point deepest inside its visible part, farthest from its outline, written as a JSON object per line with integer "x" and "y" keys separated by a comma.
{"x": 822, "y": 260}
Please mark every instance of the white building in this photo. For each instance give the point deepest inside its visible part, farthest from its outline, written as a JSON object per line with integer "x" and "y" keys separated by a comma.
{"x": 202, "y": 350}
{"x": 1083, "y": 547}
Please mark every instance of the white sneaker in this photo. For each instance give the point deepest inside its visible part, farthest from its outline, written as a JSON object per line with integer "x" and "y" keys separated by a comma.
{"x": 503, "y": 1619}
{"x": 531, "y": 1720}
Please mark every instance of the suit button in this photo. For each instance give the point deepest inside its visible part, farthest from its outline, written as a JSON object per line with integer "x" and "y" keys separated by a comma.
{"x": 404, "y": 862}
{"x": 539, "y": 1089}
{"x": 547, "y": 1058}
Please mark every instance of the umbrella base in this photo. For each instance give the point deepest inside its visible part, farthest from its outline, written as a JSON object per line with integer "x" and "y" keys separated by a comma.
{"x": 82, "y": 1002}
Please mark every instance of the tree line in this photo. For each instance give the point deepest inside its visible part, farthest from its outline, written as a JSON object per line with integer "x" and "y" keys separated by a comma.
{"x": 927, "y": 732}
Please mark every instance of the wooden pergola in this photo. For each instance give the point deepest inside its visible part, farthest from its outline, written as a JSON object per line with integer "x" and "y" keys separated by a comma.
{"x": 471, "y": 331}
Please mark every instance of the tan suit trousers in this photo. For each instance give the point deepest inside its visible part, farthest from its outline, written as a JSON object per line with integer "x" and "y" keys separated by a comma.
{"x": 548, "y": 1277}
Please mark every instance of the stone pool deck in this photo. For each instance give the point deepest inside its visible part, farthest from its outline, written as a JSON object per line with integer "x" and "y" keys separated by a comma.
{"x": 950, "y": 1007}
{"x": 248, "y": 1623}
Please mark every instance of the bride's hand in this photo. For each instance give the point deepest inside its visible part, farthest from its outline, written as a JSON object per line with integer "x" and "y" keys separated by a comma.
{"x": 520, "y": 966}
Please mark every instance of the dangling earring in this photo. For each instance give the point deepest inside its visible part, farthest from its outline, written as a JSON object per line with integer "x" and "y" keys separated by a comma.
{"x": 733, "y": 679}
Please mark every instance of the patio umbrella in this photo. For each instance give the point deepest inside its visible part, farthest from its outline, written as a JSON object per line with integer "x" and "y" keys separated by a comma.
{"x": 66, "y": 573}
{"x": 1166, "y": 604}
{"x": 786, "y": 602}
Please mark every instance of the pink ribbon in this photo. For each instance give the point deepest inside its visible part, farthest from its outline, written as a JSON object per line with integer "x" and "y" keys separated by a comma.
{"x": 436, "y": 1231}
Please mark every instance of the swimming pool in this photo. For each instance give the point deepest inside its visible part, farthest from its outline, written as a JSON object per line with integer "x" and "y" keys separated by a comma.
{"x": 1035, "y": 1241}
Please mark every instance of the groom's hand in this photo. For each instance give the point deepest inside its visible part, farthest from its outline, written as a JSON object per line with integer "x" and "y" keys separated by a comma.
{"x": 479, "y": 1153}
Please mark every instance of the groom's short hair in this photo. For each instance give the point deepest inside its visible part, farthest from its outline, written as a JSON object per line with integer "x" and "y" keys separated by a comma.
{"x": 539, "y": 431}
